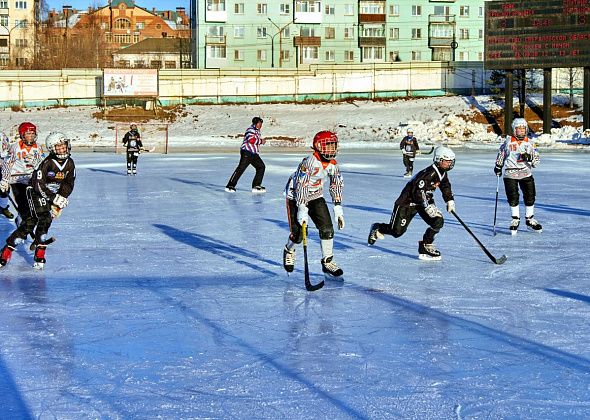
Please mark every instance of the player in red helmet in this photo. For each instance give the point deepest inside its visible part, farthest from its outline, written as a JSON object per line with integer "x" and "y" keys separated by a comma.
{"x": 305, "y": 190}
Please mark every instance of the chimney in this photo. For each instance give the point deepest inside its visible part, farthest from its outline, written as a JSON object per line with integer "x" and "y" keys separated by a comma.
{"x": 66, "y": 10}
{"x": 180, "y": 11}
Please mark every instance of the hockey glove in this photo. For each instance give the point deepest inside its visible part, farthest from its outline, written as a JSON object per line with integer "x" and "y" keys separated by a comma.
{"x": 451, "y": 206}
{"x": 339, "y": 215}
{"x": 60, "y": 201}
{"x": 498, "y": 170}
{"x": 536, "y": 160}
{"x": 433, "y": 211}
{"x": 526, "y": 157}
{"x": 302, "y": 215}
{"x": 55, "y": 211}
{"x": 4, "y": 185}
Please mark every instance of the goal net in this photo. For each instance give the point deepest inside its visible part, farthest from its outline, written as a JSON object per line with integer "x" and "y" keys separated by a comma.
{"x": 154, "y": 136}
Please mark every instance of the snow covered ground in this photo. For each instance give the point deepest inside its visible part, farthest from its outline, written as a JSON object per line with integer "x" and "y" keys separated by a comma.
{"x": 164, "y": 297}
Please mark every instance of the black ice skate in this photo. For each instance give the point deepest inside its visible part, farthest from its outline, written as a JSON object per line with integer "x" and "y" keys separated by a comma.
{"x": 39, "y": 258}
{"x": 374, "y": 234}
{"x": 259, "y": 189}
{"x": 408, "y": 174}
{"x": 428, "y": 252}
{"x": 330, "y": 268}
{"x": 288, "y": 259}
{"x": 7, "y": 213}
{"x": 514, "y": 224}
{"x": 532, "y": 224}
{"x": 5, "y": 255}
{"x": 230, "y": 189}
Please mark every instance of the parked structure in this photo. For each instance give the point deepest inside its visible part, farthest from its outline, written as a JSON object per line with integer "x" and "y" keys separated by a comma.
{"x": 17, "y": 32}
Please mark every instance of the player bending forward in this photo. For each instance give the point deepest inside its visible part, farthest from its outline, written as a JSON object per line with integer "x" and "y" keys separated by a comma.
{"x": 51, "y": 185}
{"x": 417, "y": 197}
{"x": 305, "y": 199}
{"x": 4, "y": 207}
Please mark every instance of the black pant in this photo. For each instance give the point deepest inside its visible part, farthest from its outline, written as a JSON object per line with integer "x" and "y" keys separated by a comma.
{"x": 527, "y": 185}
{"x": 401, "y": 218}
{"x": 246, "y": 159}
{"x": 19, "y": 191}
{"x": 35, "y": 221}
{"x": 318, "y": 213}
{"x": 409, "y": 163}
{"x": 132, "y": 160}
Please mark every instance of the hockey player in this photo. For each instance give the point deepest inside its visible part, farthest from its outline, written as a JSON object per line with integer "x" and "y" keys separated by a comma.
{"x": 19, "y": 164}
{"x": 4, "y": 207}
{"x": 250, "y": 155}
{"x": 409, "y": 147}
{"x": 518, "y": 156}
{"x": 305, "y": 200}
{"x": 417, "y": 197}
{"x": 51, "y": 185}
{"x": 132, "y": 140}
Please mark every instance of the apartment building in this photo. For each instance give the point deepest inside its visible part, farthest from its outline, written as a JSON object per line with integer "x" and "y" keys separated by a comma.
{"x": 17, "y": 32}
{"x": 292, "y": 33}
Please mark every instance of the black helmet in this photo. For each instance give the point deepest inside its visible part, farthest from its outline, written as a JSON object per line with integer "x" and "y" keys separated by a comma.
{"x": 256, "y": 120}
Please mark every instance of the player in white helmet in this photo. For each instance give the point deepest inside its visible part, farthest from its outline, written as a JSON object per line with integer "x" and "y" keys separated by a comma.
{"x": 409, "y": 147}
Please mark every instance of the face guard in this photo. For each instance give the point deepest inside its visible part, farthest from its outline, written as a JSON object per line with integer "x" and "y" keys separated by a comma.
{"x": 326, "y": 144}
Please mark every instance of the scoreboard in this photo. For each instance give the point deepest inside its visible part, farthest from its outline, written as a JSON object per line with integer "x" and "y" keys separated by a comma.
{"x": 537, "y": 34}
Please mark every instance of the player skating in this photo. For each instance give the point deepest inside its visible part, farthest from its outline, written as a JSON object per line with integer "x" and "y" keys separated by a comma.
{"x": 51, "y": 185}
{"x": 132, "y": 140}
{"x": 417, "y": 197}
{"x": 250, "y": 155}
{"x": 305, "y": 200}
{"x": 518, "y": 156}
{"x": 409, "y": 147}
{"x": 4, "y": 206}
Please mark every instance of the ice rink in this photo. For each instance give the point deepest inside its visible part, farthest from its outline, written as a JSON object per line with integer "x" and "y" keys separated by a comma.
{"x": 165, "y": 297}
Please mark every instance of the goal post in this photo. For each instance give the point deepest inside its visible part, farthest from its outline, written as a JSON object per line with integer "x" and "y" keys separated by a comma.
{"x": 154, "y": 136}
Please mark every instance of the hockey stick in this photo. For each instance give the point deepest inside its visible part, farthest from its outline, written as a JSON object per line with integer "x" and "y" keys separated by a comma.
{"x": 496, "y": 205}
{"x": 500, "y": 260}
{"x": 148, "y": 150}
{"x": 429, "y": 152}
{"x": 308, "y": 286}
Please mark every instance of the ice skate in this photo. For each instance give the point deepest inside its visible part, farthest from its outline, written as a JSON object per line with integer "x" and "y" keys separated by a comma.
{"x": 128, "y": 171}
{"x": 7, "y": 213}
{"x": 288, "y": 259}
{"x": 374, "y": 234}
{"x": 514, "y": 225}
{"x": 408, "y": 174}
{"x": 230, "y": 189}
{"x": 428, "y": 252}
{"x": 533, "y": 225}
{"x": 331, "y": 268}
{"x": 39, "y": 258}
{"x": 259, "y": 189}
{"x": 5, "y": 255}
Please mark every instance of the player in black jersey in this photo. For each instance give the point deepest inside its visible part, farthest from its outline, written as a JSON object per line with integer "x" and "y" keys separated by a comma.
{"x": 417, "y": 197}
{"x": 132, "y": 140}
{"x": 51, "y": 185}
{"x": 409, "y": 147}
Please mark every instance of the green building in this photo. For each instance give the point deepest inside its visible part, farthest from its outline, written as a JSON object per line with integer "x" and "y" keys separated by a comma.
{"x": 290, "y": 34}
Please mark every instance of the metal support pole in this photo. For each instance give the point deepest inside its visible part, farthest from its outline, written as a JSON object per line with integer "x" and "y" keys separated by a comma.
{"x": 547, "y": 101}
{"x": 586, "y": 100}
{"x": 508, "y": 101}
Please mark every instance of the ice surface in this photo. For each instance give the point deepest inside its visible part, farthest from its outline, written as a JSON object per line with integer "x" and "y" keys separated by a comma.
{"x": 164, "y": 297}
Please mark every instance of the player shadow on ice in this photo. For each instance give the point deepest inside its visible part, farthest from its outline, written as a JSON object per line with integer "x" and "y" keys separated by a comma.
{"x": 570, "y": 295}
{"x": 219, "y": 248}
{"x": 214, "y": 187}
{"x": 106, "y": 171}
{"x": 10, "y": 397}
{"x": 487, "y": 115}
{"x": 339, "y": 245}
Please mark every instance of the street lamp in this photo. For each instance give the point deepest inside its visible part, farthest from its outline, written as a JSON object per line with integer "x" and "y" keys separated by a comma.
{"x": 19, "y": 25}
{"x": 272, "y": 40}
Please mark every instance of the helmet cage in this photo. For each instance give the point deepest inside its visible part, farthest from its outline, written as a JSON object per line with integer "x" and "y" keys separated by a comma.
{"x": 25, "y": 128}
{"x": 443, "y": 153}
{"x": 326, "y": 144}
{"x": 54, "y": 139}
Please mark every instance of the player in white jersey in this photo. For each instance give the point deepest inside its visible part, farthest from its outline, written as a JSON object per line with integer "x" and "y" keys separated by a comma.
{"x": 518, "y": 156}
{"x": 4, "y": 207}
{"x": 305, "y": 200}
{"x": 18, "y": 166}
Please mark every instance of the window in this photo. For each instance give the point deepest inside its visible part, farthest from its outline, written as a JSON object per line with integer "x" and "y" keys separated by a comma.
{"x": 307, "y": 32}
{"x": 122, "y": 24}
{"x": 286, "y": 33}
{"x": 20, "y": 23}
{"x": 285, "y": 55}
{"x": 239, "y": 32}
{"x": 373, "y": 53}
{"x": 139, "y": 64}
{"x": 122, "y": 39}
{"x": 4, "y": 60}
{"x": 21, "y": 61}
{"x": 372, "y": 8}
{"x": 123, "y": 63}
{"x": 238, "y": 55}
{"x": 464, "y": 33}
{"x": 481, "y": 10}
{"x": 442, "y": 10}
{"x": 372, "y": 31}
{"x": 139, "y": 26}
{"x": 393, "y": 33}
{"x": 464, "y": 11}
{"x": 330, "y": 9}
{"x": 285, "y": 8}
{"x": 239, "y": 8}
{"x": 261, "y": 8}
{"x": 310, "y": 53}
{"x": 480, "y": 56}
{"x": 330, "y": 55}
{"x": 480, "y": 35}
{"x": 215, "y": 31}
{"x": 348, "y": 9}
{"x": 260, "y": 32}
{"x": 156, "y": 64}
{"x": 169, "y": 64}
{"x": 3, "y": 4}
{"x": 416, "y": 10}
{"x": 20, "y": 5}
{"x": 308, "y": 6}
{"x": 216, "y": 5}
{"x": 4, "y": 20}
{"x": 348, "y": 55}
{"x": 394, "y": 9}
{"x": 20, "y": 42}
{"x": 216, "y": 51}
{"x": 416, "y": 33}
{"x": 441, "y": 31}
{"x": 135, "y": 38}
{"x": 464, "y": 56}
{"x": 4, "y": 42}
{"x": 261, "y": 55}
{"x": 416, "y": 55}
{"x": 348, "y": 33}
{"x": 330, "y": 32}
{"x": 394, "y": 56}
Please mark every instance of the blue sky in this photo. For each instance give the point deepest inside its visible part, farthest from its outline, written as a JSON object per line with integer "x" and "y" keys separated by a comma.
{"x": 146, "y": 4}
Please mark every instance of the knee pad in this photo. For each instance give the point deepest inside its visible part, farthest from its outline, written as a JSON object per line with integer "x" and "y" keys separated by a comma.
{"x": 327, "y": 233}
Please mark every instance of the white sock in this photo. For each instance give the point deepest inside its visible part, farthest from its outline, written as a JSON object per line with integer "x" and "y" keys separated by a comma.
{"x": 4, "y": 202}
{"x": 529, "y": 211}
{"x": 327, "y": 248}
{"x": 290, "y": 245}
{"x": 515, "y": 211}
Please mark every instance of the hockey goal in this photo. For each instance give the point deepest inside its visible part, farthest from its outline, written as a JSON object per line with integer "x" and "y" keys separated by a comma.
{"x": 154, "y": 136}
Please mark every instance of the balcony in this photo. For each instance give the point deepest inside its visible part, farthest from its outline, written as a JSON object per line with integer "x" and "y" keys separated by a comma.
{"x": 444, "y": 42}
{"x": 449, "y": 19}
{"x": 307, "y": 41}
{"x": 372, "y": 18}
{"x": 215, "y": 16}
{"x": 372, "y": 41}
{"x": 308, "y": 17}
{"x": 215, "y": 39}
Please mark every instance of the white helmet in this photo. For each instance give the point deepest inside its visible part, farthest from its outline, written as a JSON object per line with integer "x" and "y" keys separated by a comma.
{"x": 519, "y": 122}
{"x": 409, "y": 130}
{"x": 444, "y": 153}
{"x": 55, "y": 138}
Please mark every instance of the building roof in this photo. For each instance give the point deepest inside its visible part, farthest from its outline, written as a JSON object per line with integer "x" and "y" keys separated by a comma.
{"x": 128, "y": 3}
{"x": 157, "y": 45}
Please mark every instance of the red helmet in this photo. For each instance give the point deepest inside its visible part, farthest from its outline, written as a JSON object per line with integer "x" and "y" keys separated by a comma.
{"x": 326, "y": 144}
{"x": 25, "y": 128}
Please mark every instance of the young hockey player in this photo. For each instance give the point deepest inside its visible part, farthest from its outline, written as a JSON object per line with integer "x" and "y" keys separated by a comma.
{"x": 250, "y": 155}
{"x": 51, "y": 185}
{"x": 19, "y": 164}
{"x": 132, "y": 140}
{"x": 518, "y": 155}
{"x": 4, "y": 207}
{"x": 305, "y": 200}
{"x": 409, "y": 147}
{"x": 417, "y": 197}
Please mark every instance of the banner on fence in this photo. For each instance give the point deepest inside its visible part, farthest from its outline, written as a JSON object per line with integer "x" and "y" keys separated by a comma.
{"x": 130, "y": 82}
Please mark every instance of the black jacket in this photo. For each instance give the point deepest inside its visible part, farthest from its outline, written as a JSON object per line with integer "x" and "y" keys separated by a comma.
{"x": 420, "y": 190}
